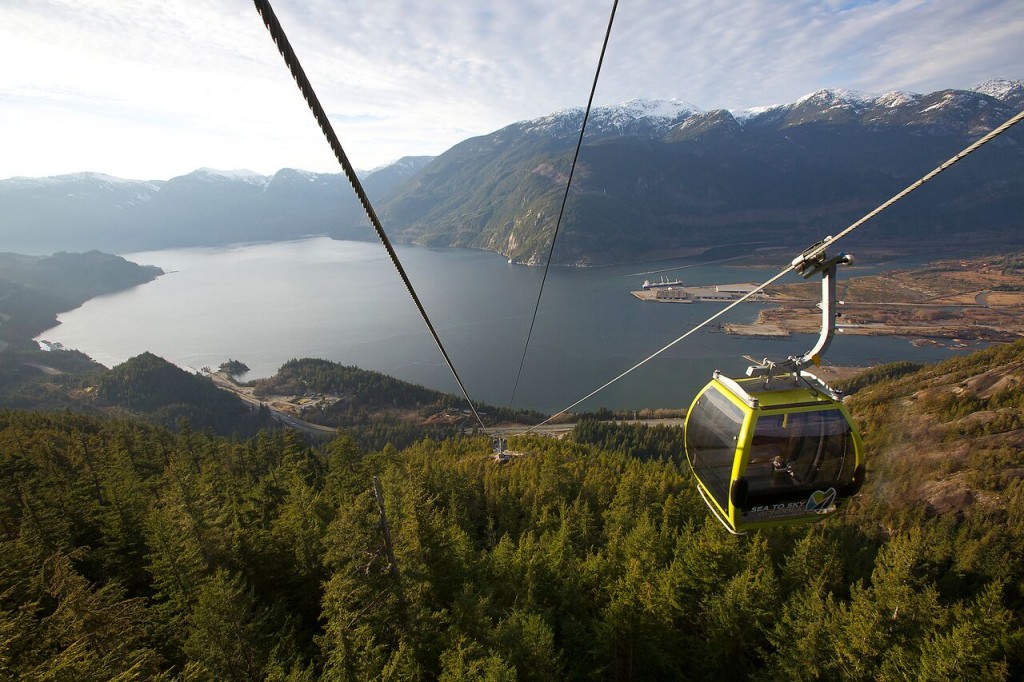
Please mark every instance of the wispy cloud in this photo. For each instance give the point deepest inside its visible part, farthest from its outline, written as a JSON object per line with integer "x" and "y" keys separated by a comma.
{"x": 151, "y": 89}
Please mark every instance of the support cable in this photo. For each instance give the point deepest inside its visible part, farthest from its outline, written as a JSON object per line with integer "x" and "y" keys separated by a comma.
{"x": 809, "y": 254}
{"x": 292, "y": 61}
{"x": 565, "y": 198}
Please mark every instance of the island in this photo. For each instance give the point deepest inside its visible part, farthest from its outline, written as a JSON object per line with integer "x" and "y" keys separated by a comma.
{"x": 234, "y": 368}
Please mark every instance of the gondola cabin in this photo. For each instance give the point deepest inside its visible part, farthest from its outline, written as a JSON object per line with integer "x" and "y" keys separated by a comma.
{"x": 772, "y": 455}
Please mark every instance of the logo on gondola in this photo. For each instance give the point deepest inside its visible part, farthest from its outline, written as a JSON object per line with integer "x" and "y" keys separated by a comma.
{"x": 821, "y": 501}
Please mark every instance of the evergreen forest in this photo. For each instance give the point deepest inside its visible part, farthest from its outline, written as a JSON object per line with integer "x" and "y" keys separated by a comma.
{"x": 128, "y": 551}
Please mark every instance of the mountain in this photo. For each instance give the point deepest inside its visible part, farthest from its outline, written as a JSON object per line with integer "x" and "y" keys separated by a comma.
{"x": 77, "y": 212}
{"x": 655, "y": 179}
{"x": 666, "y": 179}
{"x": 207, "y": 207}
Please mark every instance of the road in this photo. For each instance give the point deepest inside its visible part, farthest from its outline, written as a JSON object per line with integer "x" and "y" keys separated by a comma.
{"x": 225, "y": 382}
{"x": 559, "y": 430}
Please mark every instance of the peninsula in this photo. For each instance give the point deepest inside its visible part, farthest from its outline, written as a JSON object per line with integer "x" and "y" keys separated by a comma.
{"x": 980, "y": 299}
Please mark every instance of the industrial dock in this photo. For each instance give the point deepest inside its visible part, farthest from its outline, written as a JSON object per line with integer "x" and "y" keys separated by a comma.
{"x": 683, "y": 294}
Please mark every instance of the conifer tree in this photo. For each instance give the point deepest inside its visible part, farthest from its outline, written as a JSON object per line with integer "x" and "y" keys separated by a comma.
{"x": 228, "y": 634}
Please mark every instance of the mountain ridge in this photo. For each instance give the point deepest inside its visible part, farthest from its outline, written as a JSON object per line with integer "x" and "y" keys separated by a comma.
{"x": 93, "y": 211}
{"x": 656, "y": 178}
{"x": 707, "y": 179}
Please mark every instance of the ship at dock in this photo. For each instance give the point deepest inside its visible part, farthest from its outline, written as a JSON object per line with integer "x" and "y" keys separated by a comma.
{"x": 661, "y": 284}
{"x": 675, "y": 293}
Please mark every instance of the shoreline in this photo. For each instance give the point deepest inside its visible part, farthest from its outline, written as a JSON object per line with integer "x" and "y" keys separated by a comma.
{"x": 953, "y": 301}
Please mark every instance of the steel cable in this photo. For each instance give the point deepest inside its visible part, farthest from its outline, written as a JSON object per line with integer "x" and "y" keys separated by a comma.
{"x": 810, "y": 254}
{"x": 292, "y": 61}
{"x": 565, "y": 198}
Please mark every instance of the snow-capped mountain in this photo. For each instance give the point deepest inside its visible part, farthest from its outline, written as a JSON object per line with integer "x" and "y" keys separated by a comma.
{"x": 243, "y": 176}
{"x": 661, "y": 178}
{"x": 1001, "y": 89}
{"x": 89, "y": 184}
{"x": 656, "y": 178}
{"x": 633, "y": 118}
{"x": 945, "y": 109}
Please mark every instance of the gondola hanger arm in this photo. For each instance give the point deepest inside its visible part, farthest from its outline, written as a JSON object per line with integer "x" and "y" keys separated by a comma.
{"x": 811, "y": 262}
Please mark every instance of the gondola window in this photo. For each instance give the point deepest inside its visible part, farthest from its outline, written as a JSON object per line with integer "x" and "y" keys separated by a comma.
{"x": 717, "y": 423}
{"x": 799, "y": 450}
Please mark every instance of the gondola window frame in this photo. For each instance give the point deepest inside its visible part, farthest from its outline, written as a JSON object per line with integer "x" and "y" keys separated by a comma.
{"x": 719, "y": 427}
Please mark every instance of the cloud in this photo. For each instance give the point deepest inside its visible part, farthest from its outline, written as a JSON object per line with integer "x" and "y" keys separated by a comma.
{"x": 167, "y": 87}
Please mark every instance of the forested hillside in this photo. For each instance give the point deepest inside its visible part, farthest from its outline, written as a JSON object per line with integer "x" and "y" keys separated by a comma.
{"x": 322, "y": 376}
{"x": 377, "y": 409}
{"x": 152, "y": 388}
{"x": 33, "y": 289}
{"x": 373, "y": 408}
{"x": 129, "y": 551}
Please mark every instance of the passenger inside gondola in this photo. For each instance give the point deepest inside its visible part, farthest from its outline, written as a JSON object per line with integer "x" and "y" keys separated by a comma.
{"x": 796, "y": 450}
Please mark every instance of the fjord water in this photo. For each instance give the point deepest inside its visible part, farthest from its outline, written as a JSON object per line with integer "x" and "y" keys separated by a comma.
{"x": 343, "y": 301}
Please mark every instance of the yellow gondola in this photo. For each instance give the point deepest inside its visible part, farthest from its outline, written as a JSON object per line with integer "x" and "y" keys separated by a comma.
{"x": 779, "y": 447}
{"x": 772, "y": 455}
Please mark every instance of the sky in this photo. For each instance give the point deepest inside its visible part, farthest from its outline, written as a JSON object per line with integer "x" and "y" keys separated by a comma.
{"x": 149, "y": 90}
